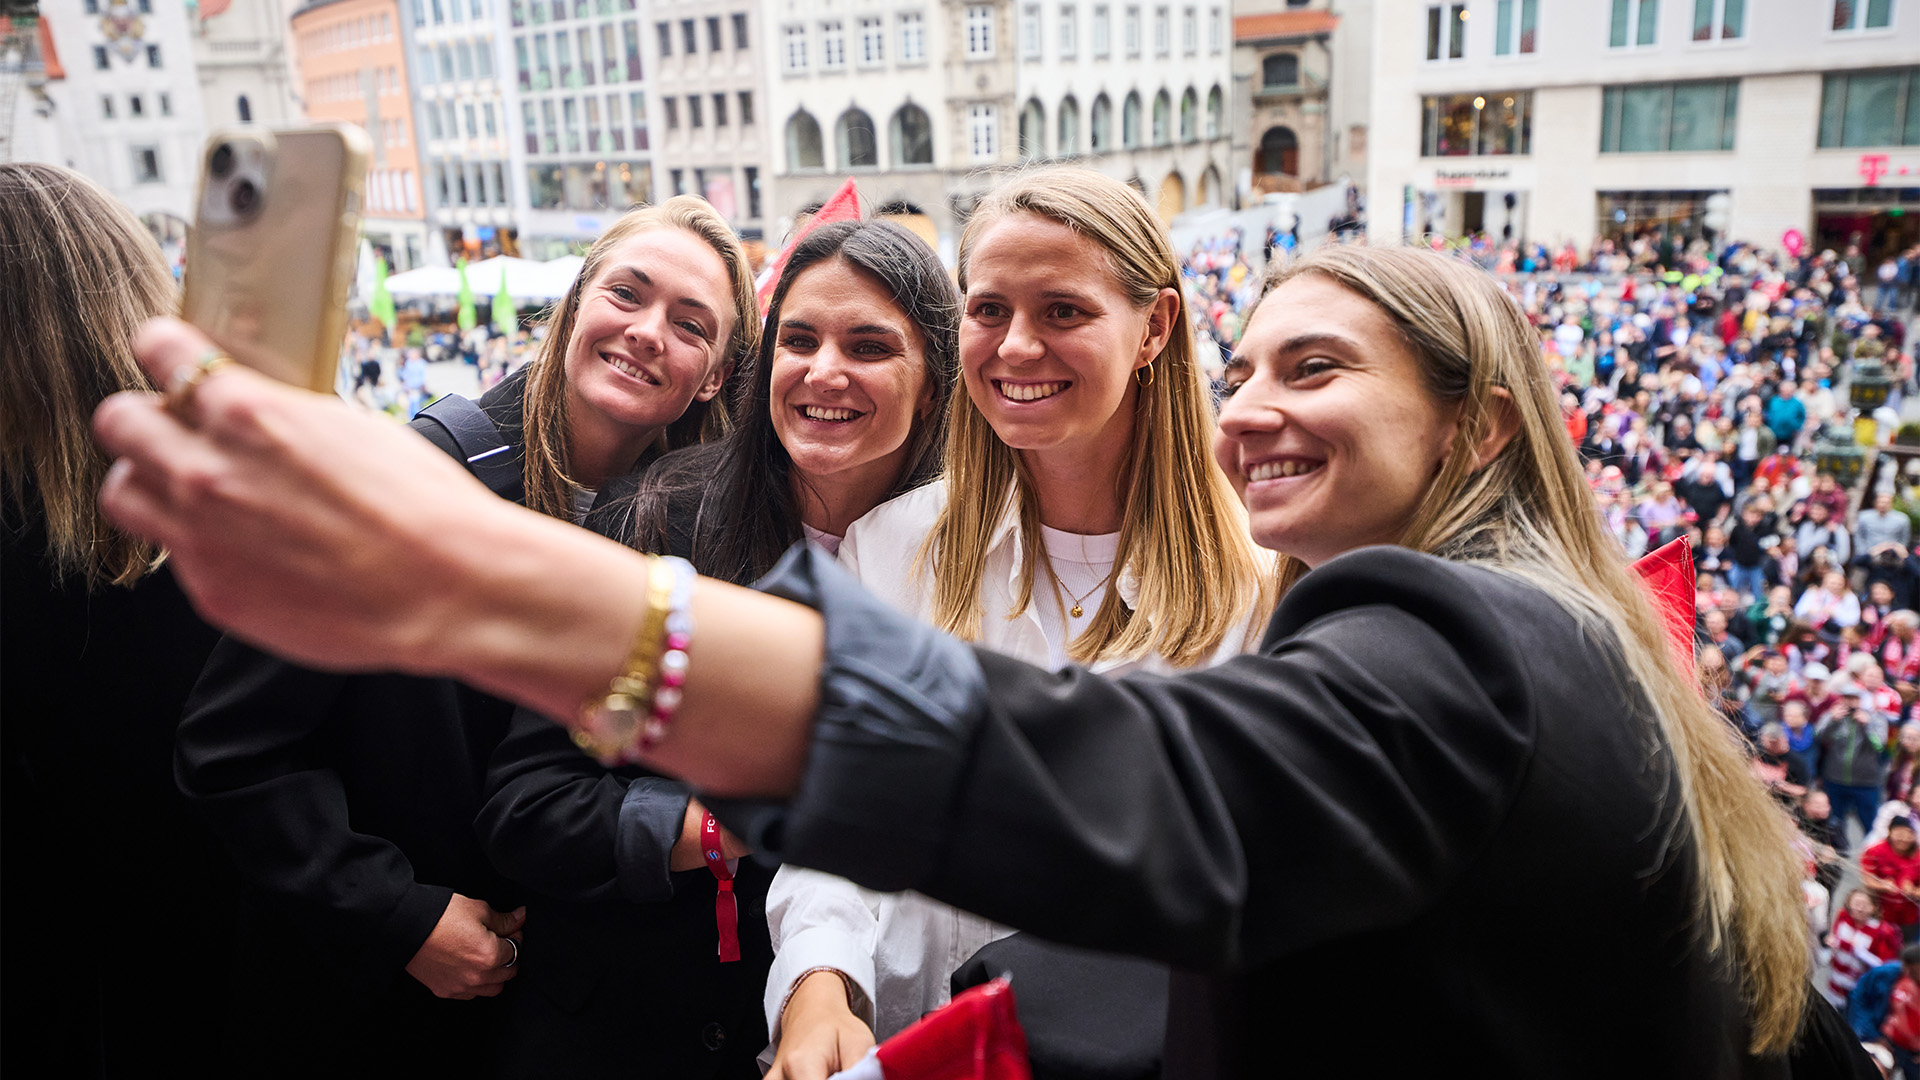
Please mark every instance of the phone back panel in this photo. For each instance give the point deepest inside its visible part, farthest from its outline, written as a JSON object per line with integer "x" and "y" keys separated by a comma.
{"x": 272, "y": 289}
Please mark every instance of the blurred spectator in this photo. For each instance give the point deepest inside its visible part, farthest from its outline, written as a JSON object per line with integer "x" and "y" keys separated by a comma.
{"x": 1860, "y": 941}
{"x": 1891, "y": 870}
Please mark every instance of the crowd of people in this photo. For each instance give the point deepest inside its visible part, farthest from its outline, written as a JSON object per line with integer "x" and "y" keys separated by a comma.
{"x": 1697, "y": 393}
{"x": 421, "y": 873}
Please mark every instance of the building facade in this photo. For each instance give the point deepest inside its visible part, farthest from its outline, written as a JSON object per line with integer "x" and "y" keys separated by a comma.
{"x": 128, "y": 111}
{"x": 580, "y": 140}
{"x": 245, "y": 63}
{"x": 709, "y": 108}
{"x": 460, "y": 122}
{"x": 352, "y": 66}
{"x": 1302, "y": 76}
{"x": 1723, "y": 119}
{"x": 928, "y": 106}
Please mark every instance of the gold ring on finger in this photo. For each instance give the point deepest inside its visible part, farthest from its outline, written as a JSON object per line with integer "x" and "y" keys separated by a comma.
{"x": 186, "y": 380}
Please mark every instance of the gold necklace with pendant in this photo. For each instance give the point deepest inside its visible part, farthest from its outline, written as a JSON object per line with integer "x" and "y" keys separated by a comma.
{"x": 1076, "y": 610}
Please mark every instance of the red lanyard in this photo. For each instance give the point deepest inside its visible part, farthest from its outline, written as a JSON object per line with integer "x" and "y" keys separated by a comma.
{"x": 726, "y": 911}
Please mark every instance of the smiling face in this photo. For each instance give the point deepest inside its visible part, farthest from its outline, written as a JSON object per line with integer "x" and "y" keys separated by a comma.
{"x": 1331, "y": 435}
{"x": 649, "y": 332}
{"x": 848, "y": 378}
{"x": 1049, "y": 342}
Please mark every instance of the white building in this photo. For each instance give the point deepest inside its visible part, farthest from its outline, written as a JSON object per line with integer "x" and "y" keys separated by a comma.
{"x": 578, "y": 117}
{"x": 128, "y": 112}
{"x": 245, "y": 64}
{"x": 927, "y": 105}
{"x": 709, "y": 106}
{"x": 1552, "y": 121}
{"x": 460, "y": 116}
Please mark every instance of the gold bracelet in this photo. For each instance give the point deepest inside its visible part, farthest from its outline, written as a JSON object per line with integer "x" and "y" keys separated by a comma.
{"x": 609, "y": 725}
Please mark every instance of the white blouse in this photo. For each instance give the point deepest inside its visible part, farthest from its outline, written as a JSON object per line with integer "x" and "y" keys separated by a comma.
{"x": 899, "y": 949}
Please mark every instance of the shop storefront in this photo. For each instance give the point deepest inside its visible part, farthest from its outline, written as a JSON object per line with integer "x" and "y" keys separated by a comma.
{"x": 1680, "y": 217}
{"x": 1880, "y": 220}
{"x": 1456, "y": 199}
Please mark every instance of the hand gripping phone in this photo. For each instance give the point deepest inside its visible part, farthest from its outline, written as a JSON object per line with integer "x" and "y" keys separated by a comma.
{"x": 270, "y": 257}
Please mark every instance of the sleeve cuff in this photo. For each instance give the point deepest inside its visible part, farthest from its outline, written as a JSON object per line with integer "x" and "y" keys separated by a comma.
{"x": 651, "y": 817}
{"x": 407, "y": 928}
{"x": 900, "y": 703}
{"x": 820, "y": 948}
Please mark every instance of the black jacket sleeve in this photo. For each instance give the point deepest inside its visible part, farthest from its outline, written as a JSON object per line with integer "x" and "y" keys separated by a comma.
{"x": 250, "y": 756}
{"x": 557, "y": 822}
{"x": 1336, "y": 782}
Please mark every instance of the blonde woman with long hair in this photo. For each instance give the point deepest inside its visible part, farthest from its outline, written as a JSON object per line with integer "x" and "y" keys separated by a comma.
{"x": 348, "y": 802}
{"x": 1462, "y": 766}
{"x": 1079, "y": 487}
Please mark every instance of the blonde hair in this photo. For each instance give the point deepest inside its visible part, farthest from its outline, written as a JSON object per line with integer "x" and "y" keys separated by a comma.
{"x": 81, "y": 275}
{"x": 1530, "y": 514}
{"x": 1182, "y": 529}
{"x": 549, "y": 488}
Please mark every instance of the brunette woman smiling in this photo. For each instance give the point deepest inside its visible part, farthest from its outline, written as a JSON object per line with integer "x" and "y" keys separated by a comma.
{"x": 843, "y": 407}
{"x": 348, "y": 803}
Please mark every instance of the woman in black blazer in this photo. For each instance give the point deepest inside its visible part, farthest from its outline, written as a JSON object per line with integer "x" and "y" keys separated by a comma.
{"x": 624, "y": 975}
{"x": 348, "y": 802}
{"x": 1462, "y": 810}
{"x": 98, "y": 648}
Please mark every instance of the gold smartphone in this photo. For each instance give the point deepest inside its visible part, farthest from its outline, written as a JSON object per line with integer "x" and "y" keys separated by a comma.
{"x": 270, "y": 257}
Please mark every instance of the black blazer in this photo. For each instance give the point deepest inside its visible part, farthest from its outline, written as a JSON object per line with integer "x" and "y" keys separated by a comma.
{"x": 348, "y": 803}
{"x": 118, "y": 903}
{"x": 1430, "y": 821}
{"x": 623, "y": 976}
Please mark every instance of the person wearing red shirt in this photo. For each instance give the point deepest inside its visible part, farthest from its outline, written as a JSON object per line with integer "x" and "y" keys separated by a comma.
{"x": 1891, "y": 869}
{"x": 1901, "y": 1028}
{"x": 1861, "y": 940}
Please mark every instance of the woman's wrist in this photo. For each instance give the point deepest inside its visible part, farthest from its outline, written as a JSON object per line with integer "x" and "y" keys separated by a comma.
{"x": 534, "y": 609}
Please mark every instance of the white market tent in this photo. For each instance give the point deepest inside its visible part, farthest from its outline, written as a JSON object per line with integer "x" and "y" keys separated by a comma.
{"x": 527, "y": 280}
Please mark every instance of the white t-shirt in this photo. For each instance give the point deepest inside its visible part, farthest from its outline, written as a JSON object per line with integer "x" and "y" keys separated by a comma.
{"x": 1083, "y": 564}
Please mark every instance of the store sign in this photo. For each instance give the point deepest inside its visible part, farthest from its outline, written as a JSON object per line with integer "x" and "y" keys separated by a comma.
{"x": 1875, "y": 166}
{"x": 1487, "y": 176}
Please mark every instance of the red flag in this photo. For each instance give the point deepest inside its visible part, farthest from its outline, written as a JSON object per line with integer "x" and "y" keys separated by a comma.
{"x": 1667, "y": 573}
{"x": 844, "y": 206}
{"x": 976, "y": 1036}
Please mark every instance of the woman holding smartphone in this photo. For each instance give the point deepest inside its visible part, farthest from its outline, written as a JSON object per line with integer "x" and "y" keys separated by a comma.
{"x": 844, "y": 406}
{"x": 1464, "y": 709}
{"x": 348, "y": 801}
{"x": 1078, "y": 487}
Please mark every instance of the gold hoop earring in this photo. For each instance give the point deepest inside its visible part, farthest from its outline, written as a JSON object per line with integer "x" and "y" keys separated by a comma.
{"x": 1148, "y": 370}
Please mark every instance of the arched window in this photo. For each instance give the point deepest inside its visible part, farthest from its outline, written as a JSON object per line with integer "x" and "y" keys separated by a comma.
{"x": 1172, "y": 198}
{"x": 1100, "y": 126}
{"x": 1209, "y": 193}
{"x": 1279, "y": 152}
{"x": 1162, "y": 118}
{"x": 1068, "y": 142}
{"x": 1130, "y": 121}
{"x": 244, "y": 108}
{"x": 854, "y": 139}
{"x": 1033, "y": 130}
{"x": 1280, "y": 69}
{"x": 1215, "y": 106}
{"x": 1189, "y": 116}
{"x": 804, "y": 150}
{"x": 912, "y": 136}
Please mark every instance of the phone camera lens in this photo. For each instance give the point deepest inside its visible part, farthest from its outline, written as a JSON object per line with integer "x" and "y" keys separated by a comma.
{"x": 222, "y": 161}
{"x": 245, "y": 198}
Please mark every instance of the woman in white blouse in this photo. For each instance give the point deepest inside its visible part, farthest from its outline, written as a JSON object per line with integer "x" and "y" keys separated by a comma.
{"x": 1082, "y": 520}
